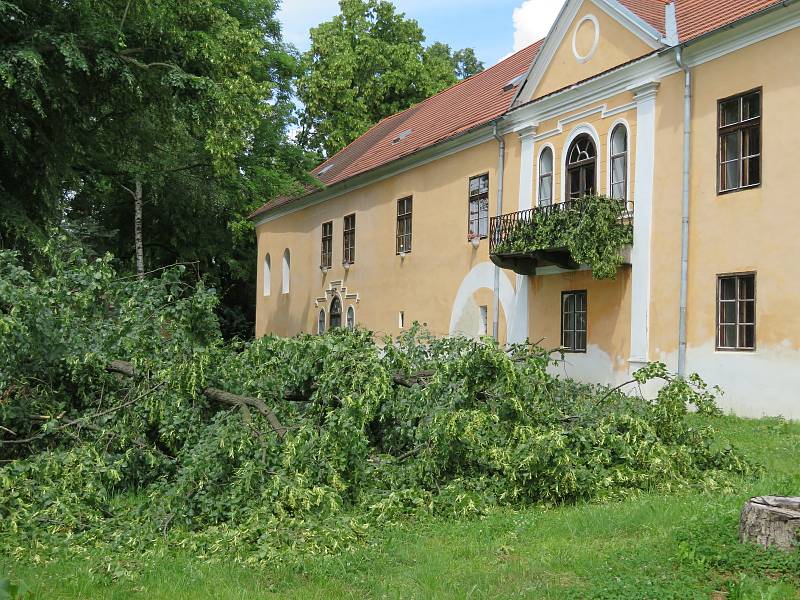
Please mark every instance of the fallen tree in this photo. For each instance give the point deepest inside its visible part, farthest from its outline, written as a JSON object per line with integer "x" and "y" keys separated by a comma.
{"x": 246, "y": 449}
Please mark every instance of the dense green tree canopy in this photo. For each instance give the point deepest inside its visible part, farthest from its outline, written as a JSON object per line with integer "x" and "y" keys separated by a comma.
{"x": 365, "y": 64}
{"x": 191, "y": 100}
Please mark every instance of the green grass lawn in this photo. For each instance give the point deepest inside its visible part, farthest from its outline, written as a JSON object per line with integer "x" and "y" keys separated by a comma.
{"x": 653, "y": 546}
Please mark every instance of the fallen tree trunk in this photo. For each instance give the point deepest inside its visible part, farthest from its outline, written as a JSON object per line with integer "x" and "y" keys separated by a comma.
{"x": 125, "y": 368}
{"x": 419, "y": 378}
{"x": 257, "y": 403}
{"x": 771, "y": 521}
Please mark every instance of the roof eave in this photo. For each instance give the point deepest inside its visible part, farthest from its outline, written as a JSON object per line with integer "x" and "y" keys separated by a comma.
{"x": 474, "y": 136}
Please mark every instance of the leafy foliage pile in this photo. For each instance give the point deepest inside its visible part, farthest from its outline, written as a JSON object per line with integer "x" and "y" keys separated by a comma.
{"x": 594, "y": 229}
{"x": 373, "y": 432}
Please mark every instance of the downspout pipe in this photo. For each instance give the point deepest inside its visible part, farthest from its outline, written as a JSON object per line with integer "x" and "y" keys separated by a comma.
{"x": 501, "y": 166}
{"x": 687, "y": 138}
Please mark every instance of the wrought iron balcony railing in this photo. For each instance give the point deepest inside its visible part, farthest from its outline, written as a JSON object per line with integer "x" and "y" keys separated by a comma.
{"x": 514, "y": 243}
{"x": 502, "y": 228}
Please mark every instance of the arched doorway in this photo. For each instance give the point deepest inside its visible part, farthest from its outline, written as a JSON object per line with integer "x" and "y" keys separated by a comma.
{"x": 335, "y": 313}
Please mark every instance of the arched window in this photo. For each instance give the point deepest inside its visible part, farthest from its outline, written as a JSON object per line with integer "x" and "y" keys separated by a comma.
{"x": 581, "y": 167}
{"x": 285, "y": 275}
{"x": 321, "y": 322}
{"x": 546, "y": 177}
{"x": 351, "y": 318}
{"x": 619, "y": 163}
{"x": 267, "y": 275}
{"x": 335, "y": 313}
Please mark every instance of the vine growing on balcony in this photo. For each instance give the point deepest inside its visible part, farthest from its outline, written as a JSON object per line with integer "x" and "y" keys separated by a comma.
{"x": 593, "y": 229}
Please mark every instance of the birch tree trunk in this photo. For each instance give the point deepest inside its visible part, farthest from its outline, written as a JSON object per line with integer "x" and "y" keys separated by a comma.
{"x": 137, "y": 228}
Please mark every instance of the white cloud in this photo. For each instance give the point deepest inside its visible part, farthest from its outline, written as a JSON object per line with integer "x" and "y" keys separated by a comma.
{"x": 533, "y": 19}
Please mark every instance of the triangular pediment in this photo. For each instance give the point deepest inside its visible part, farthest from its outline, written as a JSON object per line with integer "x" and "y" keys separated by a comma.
{"x": 588, "y": 37}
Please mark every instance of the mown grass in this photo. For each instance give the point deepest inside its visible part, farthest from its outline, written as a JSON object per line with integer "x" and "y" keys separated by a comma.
{"x": 653, "y": 546}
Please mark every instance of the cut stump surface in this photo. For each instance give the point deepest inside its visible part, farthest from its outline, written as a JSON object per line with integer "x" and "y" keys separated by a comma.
{"x": 771, "y": 522}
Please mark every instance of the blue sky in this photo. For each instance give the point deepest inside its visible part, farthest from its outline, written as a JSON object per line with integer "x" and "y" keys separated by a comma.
{"x": 495, "y": 28}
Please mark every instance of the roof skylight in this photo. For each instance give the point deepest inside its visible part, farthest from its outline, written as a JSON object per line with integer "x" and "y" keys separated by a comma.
{"x": 513, "y": 83}
{"x": 401, "y": 136}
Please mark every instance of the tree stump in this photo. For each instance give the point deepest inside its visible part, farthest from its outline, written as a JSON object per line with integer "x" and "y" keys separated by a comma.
{"x": 771, "y": 522}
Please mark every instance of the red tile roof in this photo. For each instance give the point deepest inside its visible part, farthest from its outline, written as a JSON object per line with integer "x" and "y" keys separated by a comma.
{"x": 485, "y": 96}
{"x": 697, "y": 17}
{"x": 651, "y": 11}
{"x": 465, "y": 106}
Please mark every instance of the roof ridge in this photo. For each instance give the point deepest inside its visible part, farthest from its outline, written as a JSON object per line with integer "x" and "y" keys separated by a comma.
{"x": 463, "y": 81}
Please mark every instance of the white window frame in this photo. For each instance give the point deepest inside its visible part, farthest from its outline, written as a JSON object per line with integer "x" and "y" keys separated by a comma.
{"x": 609, "y": 174}
{"x": 267, "y": 275}
{"x": 286, "y": 264}
{"x": 552, "y": 175}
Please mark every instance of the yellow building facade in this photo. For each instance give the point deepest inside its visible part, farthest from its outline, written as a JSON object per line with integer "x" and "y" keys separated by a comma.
{"x": 686, "y": 118}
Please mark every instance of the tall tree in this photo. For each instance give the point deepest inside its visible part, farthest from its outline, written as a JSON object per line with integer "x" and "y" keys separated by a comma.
{"x": 367, "y": 63}
{"x": 150, "y": 127}
{"x": 463, "y": 63}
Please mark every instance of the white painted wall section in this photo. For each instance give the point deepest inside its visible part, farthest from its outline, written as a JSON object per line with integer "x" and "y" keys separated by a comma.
{"x": 754, "y": 384}
{"x": 642, "y": 222}
{"x": 518, "y": 331}
{"x": 465, "y": 317}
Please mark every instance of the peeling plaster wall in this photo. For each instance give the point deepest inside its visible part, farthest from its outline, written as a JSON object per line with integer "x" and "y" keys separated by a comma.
{"x": 594, "y": 366}
{"x": 764, "y": 383}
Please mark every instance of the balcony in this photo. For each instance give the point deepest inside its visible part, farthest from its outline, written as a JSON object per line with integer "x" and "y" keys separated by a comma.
{"x": 593, "y": 230}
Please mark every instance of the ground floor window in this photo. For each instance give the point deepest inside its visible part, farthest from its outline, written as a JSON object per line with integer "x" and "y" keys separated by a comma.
{"x": 736, "y": 311}
{"x": 351, "y": 317}
{"x": 321, "y": 322}
{"x": 335, "y": 313}
{"x": 573, "y": 321}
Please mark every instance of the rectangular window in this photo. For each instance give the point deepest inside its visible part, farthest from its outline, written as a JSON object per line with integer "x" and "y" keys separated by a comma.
{"x": 404, "y": 225}
{"x": 573, "y": 321}
{"x": 401, "y": 319}
{"x": 479, "y": 207}
{"x": 327, "y": 245}
{"x": 740, "y": 142}
{"x": 736, "y": 312}
{"x": 349, "y": 239}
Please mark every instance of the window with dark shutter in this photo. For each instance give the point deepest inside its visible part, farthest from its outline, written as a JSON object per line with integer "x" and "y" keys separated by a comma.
{"x": 478, "y": 207}
{"x": 404, "y": 207}
{"x": 335, "y": 313}
{"x": 736, "y": 312}
{"x": 740, "y": 142}
{"x": 326, "y": 258}
{"x": 349, "y": 239}
{"x": 581, "y": 168}
{"x": 573, "y": 321}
